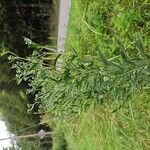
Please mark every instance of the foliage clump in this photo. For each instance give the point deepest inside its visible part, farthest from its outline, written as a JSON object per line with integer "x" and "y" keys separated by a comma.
{"x": 98, "y": 72}
{"x": 81, "y": 82}
{"x": 19, "y": 19}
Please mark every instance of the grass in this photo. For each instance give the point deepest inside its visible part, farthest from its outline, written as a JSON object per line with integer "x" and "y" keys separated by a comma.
{"x": 100, "y": 129}
{"x": 100, "y": 23}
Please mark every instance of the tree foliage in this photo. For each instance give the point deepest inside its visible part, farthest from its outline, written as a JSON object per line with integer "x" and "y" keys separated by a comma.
{"x": 19, "y": 19}
{"x": 32, "y": 19}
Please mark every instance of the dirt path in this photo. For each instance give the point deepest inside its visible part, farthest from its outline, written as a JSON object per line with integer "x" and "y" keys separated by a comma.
{"x": 63, "y": 23}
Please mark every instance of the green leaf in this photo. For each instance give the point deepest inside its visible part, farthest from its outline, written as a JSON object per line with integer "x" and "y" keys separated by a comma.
{"x": 123, "y": 51}
{"x": 140, "y": 46}
{"x": 102, "y": 57}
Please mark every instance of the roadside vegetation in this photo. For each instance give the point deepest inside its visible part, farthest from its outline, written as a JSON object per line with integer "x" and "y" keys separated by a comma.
{"x": 100, "y": 98}
{"x": 100, "y": 24}
{"x": 18, "y": 19}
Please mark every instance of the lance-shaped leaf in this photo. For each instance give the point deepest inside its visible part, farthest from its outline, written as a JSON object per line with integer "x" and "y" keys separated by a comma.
{"x": 123, "y": 52}
{"x": 140, "y": 46}
{"x": 74, "y": 51}
{"x": 102, "y": 57}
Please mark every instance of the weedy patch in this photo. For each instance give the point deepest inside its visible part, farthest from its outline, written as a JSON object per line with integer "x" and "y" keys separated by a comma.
{"x": 81, "y": 82}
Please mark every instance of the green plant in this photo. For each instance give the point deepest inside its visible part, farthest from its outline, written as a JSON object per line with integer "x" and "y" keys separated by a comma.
{"x": 81, "y": 82}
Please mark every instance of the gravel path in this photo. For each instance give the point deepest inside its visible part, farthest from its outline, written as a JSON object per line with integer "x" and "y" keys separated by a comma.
{"x": 63, "y": 23}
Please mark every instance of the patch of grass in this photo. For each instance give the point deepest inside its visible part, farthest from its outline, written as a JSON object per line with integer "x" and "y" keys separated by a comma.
{"x": 100, "y": 129}
{"x": 100, "y": 23}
